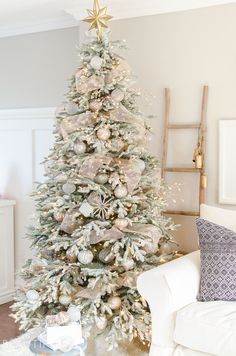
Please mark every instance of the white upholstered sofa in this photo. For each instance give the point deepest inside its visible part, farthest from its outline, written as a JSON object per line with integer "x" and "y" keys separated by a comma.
{"x": 181, "y": 326}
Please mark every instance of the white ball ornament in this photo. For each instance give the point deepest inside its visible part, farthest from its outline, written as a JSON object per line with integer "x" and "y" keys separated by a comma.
{"x": 74, "y": 313}
{"x": 120, "y": 191}
{"x": 141, "y": 164}
{"x": 65, "y": 299}
{"x": 69, "y": 188}
{"x": 114, "y": 303}
{"x": 32, "y": 296}
{"x": 117, "y": 95}
{"x": 80, "y": 147}
{"x": 71, "y": 108}
{"x": 128, "y": 264}
{"x": 58, "y": 216}
{"x": 101, "y": 322}
{"x": 101, "y": 178}
{"x": 96, "y": 62}
{"x": 121, "y": 223}
{"x": 85, "y": 257}
{"x": 60, "y": 202}
{"x": 103, "y": 134}
{"x": 61, "y": 178}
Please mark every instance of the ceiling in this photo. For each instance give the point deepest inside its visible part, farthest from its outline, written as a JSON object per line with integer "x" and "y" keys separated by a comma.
{"x": 28, "y": 16}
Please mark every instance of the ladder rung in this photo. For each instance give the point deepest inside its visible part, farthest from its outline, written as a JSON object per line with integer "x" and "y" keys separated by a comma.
{"x": 182, "y": 169}
{"x": 180, "y": 212}
{"x": 183, "y": 126}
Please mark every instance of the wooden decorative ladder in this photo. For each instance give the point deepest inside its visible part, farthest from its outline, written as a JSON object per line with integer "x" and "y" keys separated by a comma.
{"x": 201, "y": 142}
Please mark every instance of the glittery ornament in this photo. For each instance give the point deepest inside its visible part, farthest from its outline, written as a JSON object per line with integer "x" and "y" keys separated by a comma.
{"x": 128, "y": 264}
{"x": 114, "y": 303}
{"x": 74, "y": 313}
{"x": 117, "y": 95}
{"x": 79, "y": 147}
{"x": 65, "y": 299}
{"x": 85, "y": 257}
{"x": 71, "y": 108}
{"x": 101, "y": 322}
{"x": 86, "y": 209}
{"x": 32, "y": 296}
{"x": 121, "y": 192}
{"x": 101, "y": 204}
{"x": 103, "y": 134}
{"x": 96, "y": 62}
{"x": 58, "y": 216}
{"x": 121, "y": 223}
{"x": 101, "y": 178}
{"x": 95, "y": 105}
{"x": 69, "y": 188}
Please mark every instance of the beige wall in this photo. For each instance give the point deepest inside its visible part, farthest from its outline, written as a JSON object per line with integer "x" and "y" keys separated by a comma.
{"x": 183, "y": 50}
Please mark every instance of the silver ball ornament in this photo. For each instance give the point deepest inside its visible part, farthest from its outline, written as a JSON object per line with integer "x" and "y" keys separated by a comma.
{"x": 103, "y": 134}
{"x": 85, "y": 257}
{"x": 71, "y": 108}
{"x": 96, "y": 62}
{"x": 120, "y": 191}
{"x": 69, "y": 188}
{"x": 114, "y": 303}
{"x": 101, "y": 322}
{"x": 117, "y": 95}
{"x": 74, "y": 313}
{"x": 32, "y": 296}
{"x": 80, "y": 147}
{"x": 101, "y": 178}
{"x": 121, "y": 223}
{"x": 65, "y": 299}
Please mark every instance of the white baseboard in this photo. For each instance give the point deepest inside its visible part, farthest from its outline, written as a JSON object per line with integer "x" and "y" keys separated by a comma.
{"x": 7, "y": 297}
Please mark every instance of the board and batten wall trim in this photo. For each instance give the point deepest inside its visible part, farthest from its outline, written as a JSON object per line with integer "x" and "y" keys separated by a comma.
{"x": 25, "y": 138}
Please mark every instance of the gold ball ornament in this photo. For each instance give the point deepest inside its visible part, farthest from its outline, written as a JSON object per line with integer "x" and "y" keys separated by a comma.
{"x": 101, "y": 178}
{"x": 80, "y": 147}
{"x": 120, "y": 192}
{"x": 121, "y": 223}
{"x": 103, "y": 134}
{"x": 85, "y": 257}
{"x": 65, "y": 299}
{"x": 58, "y": 216}
{"x": 114, "y": 303}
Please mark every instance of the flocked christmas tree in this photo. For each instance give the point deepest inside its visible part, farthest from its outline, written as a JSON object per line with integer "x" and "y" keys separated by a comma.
{"x": 100, "y": 210}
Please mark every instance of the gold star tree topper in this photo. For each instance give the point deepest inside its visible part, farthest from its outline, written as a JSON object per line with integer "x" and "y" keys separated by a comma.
{"x": 98, "y": 19}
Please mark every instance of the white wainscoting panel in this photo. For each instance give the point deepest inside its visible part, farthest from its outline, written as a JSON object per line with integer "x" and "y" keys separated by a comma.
{"x": 227, "y": 161}
{"x": 25, "y": 139}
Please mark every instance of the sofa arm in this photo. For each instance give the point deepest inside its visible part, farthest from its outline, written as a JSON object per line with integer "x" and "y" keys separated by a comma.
{"x": 167, "y": 289}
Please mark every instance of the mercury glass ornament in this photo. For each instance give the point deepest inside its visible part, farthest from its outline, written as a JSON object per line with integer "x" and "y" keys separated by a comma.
{"x": 151, "y": 247}
{"x": 114, "y": 303}
{"x": 32, "y": 296}
{"x": 117, "y": 95}
{"x": 95, "y": 105}
{"x": 80, "y": 147}
{"x": 101, "y": 322}
{"x": 121, "y": 192}
{"x": 128, "y": 264}
{"x": 121, "y": 223}
{"x": 85, "y": 257}
{"x": 71, "y": 108}
{"x": 103, "y": 134}
{"x": 101, "y": 178}
{"x": 74, "y": 313}
{"x": 64, "y": 299}
{"x": 58, "y": 216}
{"x": 69, "y": 188}
{"x": 96, "y": 62}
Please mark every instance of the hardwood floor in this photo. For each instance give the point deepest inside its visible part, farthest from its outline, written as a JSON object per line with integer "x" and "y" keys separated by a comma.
{"x": 8, "y": 329}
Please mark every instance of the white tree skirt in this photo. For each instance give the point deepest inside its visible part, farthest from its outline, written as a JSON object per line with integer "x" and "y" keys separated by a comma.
{"x": 20, "y": 347}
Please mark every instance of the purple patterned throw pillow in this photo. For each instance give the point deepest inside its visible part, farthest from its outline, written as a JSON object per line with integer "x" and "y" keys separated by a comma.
{"x": 218, "y": 262}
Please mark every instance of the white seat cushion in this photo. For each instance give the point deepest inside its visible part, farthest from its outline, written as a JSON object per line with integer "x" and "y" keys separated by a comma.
{"x": 208, "y": 327}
